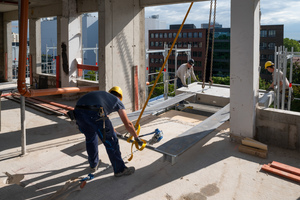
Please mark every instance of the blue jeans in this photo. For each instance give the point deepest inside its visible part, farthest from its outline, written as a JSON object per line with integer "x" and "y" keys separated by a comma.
{"x": 179, "y": 85}
{"x": 86, "y": 121}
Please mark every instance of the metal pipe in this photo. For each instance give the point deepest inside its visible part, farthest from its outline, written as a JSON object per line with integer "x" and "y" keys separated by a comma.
{"x": 23, "y": 90}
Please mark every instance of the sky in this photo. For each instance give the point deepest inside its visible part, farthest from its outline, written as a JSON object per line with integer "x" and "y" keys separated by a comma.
{"x": 273, "y": 12}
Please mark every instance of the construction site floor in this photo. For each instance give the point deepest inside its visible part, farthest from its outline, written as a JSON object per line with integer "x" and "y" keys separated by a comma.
{"x": 211, "y": 169}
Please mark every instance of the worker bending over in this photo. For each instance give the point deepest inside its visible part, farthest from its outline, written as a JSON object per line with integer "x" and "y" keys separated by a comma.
{"x": 91, "y": 114}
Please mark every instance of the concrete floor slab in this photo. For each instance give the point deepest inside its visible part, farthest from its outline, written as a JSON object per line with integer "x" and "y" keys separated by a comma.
{"x": 211, "y": 169}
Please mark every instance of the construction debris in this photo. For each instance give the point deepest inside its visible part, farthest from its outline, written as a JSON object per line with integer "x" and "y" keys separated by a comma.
{"x": 283, "y": 170}
{"x": 254, "y": 147}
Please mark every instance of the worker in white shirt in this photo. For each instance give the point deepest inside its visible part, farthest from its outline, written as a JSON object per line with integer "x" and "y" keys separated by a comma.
{"x": 185, "y": 71}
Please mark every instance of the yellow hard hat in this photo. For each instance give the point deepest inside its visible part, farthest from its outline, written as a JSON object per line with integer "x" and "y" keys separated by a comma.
{"x": 268, "y": 64}
{"x": 118, "y": 90}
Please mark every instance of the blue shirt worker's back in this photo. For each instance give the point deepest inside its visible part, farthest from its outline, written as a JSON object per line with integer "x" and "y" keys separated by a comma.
{"x": 109, "y": 102}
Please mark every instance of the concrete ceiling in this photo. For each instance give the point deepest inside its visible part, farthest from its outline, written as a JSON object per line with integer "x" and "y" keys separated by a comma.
{"x": 12, "y": 5}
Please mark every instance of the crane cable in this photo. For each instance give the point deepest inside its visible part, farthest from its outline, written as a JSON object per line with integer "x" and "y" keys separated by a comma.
{"x": 137, "y": 125}
{"x": 212, "y": 46}
{"x": 207, "y": 42}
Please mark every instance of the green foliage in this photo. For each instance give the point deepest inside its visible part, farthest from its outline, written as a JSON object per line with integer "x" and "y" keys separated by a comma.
{"x": 263, "y": 84}
{"x": 91, "y": 75}
{"x": 221, "y": 80}
{"x": 289, "y": 43}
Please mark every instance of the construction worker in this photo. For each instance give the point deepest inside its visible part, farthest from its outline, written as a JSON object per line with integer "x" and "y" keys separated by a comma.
{"x": 185, "y": 71}
{"x": 269, "y": 65}
{"x": 91, "y": 114}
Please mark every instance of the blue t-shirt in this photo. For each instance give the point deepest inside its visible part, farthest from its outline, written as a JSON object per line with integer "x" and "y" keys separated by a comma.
{"x": 109, "y": 102}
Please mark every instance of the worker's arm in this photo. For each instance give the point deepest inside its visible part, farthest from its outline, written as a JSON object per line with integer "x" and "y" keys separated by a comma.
{"x": 128, "y": 124}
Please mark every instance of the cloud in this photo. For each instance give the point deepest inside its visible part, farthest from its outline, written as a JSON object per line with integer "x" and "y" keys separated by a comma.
{"x": 273, "y": 12}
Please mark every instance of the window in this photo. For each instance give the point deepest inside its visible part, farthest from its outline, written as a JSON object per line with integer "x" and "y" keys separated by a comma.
{"x": 271, "y": 45}
{"x": 195, "y": 34}
{"x": 263, "y": 33}
{"x": 151, "y": 44}
{"x": 180, "y": 35}
{"x": 200, "y": 44}
{"x": 200, "y": 34}
{"x": 170, "y": 35}
{"x": 194, "y": 53}
{"x": 190, "y": 35}
{"x": 271, "y": 57}
{"x": 160, "y": 35}
{"x": 152, "y": 35}
{"x": 174, "y": 35}
{"x": 263, "y": 45}
{"x": 156, "y": 35}
{"x": 272, "y": 33}
{"x": 184, "y": 44}
{"x": 179, "y": 44}
{"x": 199, "y": 53}
{"x": 184, "y": 35}
{"x": 195, "y": 44}
{"x": 263, "y": 57}
{"x": 165, "y": 35}
{"x": 160, "y": 44}
{"x": 156, "y": 44}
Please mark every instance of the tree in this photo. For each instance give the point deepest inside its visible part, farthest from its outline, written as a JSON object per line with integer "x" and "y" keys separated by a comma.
{"x": 289, "y": 43}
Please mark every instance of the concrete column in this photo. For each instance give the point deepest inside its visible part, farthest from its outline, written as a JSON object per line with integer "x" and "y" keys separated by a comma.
{"x": 244, "y": 66}
{"x": 6, "y": 40}
{"x": 69, "y": 33}
{"x": 121, "y": 46}
{"x": 35, "y": 46}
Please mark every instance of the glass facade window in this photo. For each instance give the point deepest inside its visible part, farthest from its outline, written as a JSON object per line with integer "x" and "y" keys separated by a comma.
{"x": 272, "y": 33}
{"x": 263, "y": 33}
{"x": 190, "y": 35}
{"x": 152, "y": 35}
{"x": 222, "y": 35}
{"x": 165, "y": 35}
{"x": 151, "y": 44}
{"x": 195, "y": 34}
{"x": 156, "y": 35}
{"x": 160, "y": 35}
{"x": 184, "y": 35}
{"x": 195, "y": 44}
{"x": 170, "y": 35}
{"x": 200, "y": 34}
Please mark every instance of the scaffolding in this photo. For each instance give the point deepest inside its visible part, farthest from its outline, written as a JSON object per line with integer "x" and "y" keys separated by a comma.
{"x": 166, "y": 79}
{"x": 282, "y": 56}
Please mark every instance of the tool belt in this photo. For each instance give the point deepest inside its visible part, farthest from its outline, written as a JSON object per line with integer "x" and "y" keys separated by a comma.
{"x": 100, "y": 113}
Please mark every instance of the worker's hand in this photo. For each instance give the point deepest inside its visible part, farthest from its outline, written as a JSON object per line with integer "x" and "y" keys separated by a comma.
{"x": 139, "y": 141}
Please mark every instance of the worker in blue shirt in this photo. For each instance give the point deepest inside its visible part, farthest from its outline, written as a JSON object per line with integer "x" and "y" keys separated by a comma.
{"x": 91, "y": 114}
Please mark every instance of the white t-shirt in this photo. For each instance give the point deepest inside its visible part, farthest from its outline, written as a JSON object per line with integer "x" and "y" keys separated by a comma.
{"x": 275, "y": 77}
{"x": 184, "y": 72}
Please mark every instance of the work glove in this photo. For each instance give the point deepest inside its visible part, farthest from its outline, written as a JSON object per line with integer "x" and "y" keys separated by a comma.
{"x": 269, "y": 89}
{"x": 139, "y": 141}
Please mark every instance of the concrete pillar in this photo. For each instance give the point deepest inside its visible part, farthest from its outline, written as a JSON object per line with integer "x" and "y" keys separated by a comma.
{"x": 69, "y": 33}
{"x": 6, "y": 50}
{"x": 35, "y": 46}
{"x": 244, "y": 66}
{"x": 122, "y": 46}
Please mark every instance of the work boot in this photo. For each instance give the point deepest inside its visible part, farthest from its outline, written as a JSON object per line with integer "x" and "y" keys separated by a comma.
{"x": 126, "y": 171}
{"x": 94, "y": 169}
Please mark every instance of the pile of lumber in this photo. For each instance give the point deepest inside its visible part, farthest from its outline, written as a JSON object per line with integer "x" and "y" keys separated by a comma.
{"x": 283, "y": 170}
{"x": 254, "y": 147}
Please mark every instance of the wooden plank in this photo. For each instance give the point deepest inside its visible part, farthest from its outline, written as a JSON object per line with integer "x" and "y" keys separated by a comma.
{"x": 281, "y": 173}
{"x": 253, "y": 151}
{"x": 286, "y": 168}
{"x": 255, "y": 144}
